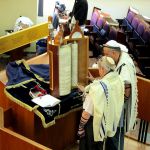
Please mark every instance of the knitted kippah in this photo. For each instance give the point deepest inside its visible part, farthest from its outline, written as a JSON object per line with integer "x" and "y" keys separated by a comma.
{"x": 107, "y": 62}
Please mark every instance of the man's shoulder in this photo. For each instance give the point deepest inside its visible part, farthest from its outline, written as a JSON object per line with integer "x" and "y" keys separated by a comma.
{"x": 126, "y": 59}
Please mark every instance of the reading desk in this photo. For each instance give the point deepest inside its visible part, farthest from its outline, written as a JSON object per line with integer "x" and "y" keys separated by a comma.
{"x": 25, "y": 122}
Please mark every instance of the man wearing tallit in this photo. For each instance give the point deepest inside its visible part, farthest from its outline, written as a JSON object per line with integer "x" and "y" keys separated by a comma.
{"x": 126, "y": 69}
{"x": 104, "y": 99}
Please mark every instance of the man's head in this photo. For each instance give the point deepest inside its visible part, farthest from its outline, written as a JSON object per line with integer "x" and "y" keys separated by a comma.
{"x": 60, "y": 7}
{"x": 113, "y": 49}
{"x": 105, "y": 65}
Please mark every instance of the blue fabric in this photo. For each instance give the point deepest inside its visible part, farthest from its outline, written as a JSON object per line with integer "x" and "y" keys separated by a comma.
{"x": 42, "y": 42}
{"x": 41, "y": 46}
{"x": 17, "y": 73}
{"x": 42, "y": 70}
{"x": 40, "y": 50}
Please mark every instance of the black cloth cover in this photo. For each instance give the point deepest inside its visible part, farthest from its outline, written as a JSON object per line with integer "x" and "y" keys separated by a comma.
{"x": 21, "y": 78}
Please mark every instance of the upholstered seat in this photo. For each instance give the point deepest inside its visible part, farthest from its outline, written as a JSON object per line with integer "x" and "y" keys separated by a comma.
{"x": 123, "y": 23}
{"x": 92, "y": 22}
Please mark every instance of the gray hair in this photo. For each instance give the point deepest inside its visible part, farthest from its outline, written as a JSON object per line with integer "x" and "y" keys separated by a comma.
{"x": 107, "y": 62}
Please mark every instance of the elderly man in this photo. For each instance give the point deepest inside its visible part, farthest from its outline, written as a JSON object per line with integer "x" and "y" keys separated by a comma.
{"x": 104, "y": 99}
{"x": 126, "y": 69}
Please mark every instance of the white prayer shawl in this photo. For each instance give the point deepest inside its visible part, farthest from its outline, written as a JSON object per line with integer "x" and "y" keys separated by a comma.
{"x": 132, "y": 103}
{"x": 107, "y": 104}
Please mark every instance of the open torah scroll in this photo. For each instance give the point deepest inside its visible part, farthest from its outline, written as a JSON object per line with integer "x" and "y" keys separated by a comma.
{"x": 68, "y": 67}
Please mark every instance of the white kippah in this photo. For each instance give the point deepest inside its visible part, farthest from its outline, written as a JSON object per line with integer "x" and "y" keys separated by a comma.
{"x": 95, "y": 65}
{"x": 108, "y": 62}
{"x": 115, "y": 44}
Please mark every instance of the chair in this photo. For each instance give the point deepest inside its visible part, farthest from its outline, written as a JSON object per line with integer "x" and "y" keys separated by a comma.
{"x": 96, "y": 29}
{"x": 96, "y": 33}
{"x": 127, "y": 20}
{"x": 94, "y": 18}
{"x": 144, "y": 41}
{"x": 130, "y": 16}
{"x": 131, "y": 27}
{"x": 142, "y": 49}
{"x": 100, "y": 22}
{"x": 112, "y": 34}
{"x": 140, "y": 28}
{"x": 92, "y": 22}
{"x": 103, "y": 32}
{"x": 132, "y": 12}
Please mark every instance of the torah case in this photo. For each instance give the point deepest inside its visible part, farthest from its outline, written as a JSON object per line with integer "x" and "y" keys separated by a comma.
{"x": 83, "y": 54}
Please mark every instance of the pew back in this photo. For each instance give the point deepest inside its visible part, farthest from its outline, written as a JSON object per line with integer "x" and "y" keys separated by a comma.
{"x": 144, "y": 98}
{"x": 12, "y": 140}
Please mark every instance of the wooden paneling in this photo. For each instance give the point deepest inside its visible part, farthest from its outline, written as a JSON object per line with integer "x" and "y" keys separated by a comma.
{"x": 1, "y": 118}
{"x": 23, "y": 37}
{"x": 144, "y": 99}
{"x": 62, "y": 134}
{"x": 10, "y": 140}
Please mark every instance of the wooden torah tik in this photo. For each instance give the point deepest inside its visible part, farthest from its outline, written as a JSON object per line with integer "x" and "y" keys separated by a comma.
{"x": 68, "y": 62}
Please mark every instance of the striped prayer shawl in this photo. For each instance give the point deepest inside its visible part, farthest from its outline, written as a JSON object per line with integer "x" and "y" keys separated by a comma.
{"x": 108, "y": 98}
{"x": 102, "y": 130}
{"x": 132, "y": 103}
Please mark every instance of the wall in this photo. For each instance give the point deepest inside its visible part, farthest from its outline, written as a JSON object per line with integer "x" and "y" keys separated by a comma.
{"x": 117, "y": 8}
{"x": 10, "y": 10}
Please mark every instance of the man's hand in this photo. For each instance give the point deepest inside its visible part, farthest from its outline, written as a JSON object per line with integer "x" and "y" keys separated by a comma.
{"x": 127, "y": 91}
{"x": 81, "y": 87}
{"x": 90, "y": 77}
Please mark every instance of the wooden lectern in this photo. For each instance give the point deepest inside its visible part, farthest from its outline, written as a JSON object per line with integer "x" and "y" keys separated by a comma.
{"x": 17, "y": 118}
{"x": 83, "y": 49}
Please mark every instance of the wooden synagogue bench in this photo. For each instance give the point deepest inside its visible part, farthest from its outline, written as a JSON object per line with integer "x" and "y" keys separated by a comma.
{"x": 143, "y": 108}
{"x": 27, "y": 123}
{"x": 12, "y": 140}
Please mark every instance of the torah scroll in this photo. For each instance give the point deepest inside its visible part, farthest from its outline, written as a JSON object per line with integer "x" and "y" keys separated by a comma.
{"x": 64, "y": 70}
{"x": 74, "y": 59}
{"x": 68, "y": 68}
